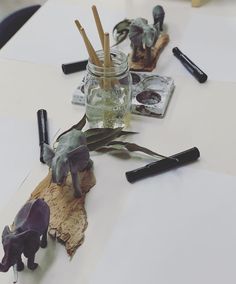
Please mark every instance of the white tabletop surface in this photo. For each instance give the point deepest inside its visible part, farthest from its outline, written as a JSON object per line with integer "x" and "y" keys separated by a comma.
{"x": 191, "y": 237}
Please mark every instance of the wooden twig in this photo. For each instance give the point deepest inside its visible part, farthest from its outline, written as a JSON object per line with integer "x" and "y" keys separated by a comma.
{"x": 98, "y": 24}
{"x": 92, "y": 53}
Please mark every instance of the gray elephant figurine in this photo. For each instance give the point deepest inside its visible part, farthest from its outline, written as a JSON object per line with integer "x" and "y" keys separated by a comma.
{"x": 29, "y": 225}
{"x": 143, "y": 37}
{"x": 158, "y": 17}
{"x": 72, "y": 155}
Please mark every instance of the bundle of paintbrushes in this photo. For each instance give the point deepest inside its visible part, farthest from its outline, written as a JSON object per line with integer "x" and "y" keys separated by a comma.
{"x": 104, "y": 38}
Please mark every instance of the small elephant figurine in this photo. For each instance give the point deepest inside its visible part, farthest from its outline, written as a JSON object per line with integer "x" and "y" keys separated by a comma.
{"x": 143, "y": 37}
{"x": 29, "y": 225}
{"x": 72, "y": 155}
{"x": 158, "y": 14}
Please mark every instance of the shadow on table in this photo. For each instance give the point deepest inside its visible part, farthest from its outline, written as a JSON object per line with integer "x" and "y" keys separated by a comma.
{"x": 45, "y": 259}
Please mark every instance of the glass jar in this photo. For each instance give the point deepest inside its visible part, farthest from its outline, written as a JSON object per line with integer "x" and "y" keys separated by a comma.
{"x": 108, "y": 92}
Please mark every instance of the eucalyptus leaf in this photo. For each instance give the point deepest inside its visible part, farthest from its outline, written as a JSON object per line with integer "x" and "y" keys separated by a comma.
{"x": 106, "y": 149}
{"x": 99, "y": 137}
{"x": 94, "y": 134}
{"x": 78, "y": 126}
{"x": 121, "y": 30}
{"x": 128, "y": 132}
{"x": 131, "y": 147}
{"x": 115, "y": 147}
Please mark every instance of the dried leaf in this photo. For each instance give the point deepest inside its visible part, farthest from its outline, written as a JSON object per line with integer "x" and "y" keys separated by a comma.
{"x": 94, "y": 134}
{"x": 107, "y": 149}
{"x": 78, "y": 126}
{"x": 131, "y": 147}
{"x": 121, "y": 31}
{"x": 98, "y": 137}
{"x": 128, "y": 132}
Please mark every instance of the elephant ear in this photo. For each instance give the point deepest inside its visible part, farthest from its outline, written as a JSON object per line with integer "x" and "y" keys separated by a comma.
{"x": 48, "y": 154}
{"x": 135, "y": 31}
{"x": 6, "y": 232}
{"x": 79, "y": 158}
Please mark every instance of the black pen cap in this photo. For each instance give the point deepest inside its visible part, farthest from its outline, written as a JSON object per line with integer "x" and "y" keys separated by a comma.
{"x": 42, "y": 126}
{"x": 190, "y": 66}
{"x": 74, "y": 67}
{"x": 176, "y": 52}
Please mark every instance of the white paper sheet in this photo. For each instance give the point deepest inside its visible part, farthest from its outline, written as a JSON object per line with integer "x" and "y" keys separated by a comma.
{"x": 177, "y": 228}
{"x": 211, "y": 48}
{"x": 19, "y": 150}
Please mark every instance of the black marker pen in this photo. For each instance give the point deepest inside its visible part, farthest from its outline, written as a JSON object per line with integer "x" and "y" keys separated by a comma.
{"x": 43, "y": 130}
{"x": 166, "y": 164}
{"x": 74, "y": 67}
{"x": 190, "y": 66}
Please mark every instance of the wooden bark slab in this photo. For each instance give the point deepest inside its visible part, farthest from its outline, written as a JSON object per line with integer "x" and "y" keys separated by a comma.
{"x": 156, "y": 51}
{"x": 68, "y": 218}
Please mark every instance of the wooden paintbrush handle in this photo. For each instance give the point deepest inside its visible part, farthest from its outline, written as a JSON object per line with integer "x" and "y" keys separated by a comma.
{"x": 107, "y": 54}
{"x": 107, "y": 60}
{"x": 92, "y": 53}
{"x": 98, "y": 24}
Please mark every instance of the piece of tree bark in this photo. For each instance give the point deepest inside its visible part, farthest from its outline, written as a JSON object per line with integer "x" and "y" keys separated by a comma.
{"x": 156, "y": 52}
{"x": 68, "y": 218}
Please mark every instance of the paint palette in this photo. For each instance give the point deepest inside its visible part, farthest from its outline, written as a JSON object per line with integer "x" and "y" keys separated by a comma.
{"x": 151, "y": 94}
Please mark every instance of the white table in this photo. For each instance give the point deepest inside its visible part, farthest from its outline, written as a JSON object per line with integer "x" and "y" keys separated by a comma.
{"x": 194, "y": 228}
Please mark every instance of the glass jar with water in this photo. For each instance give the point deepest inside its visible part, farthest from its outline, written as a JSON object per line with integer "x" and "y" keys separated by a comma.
{"x": 108, "y": 92}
